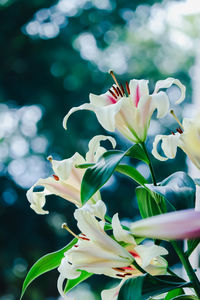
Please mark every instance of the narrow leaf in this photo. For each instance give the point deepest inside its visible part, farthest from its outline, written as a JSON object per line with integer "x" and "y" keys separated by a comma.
{"x": 132, "y": 173}
{"x": 71, "y": 283}
{"x": 186, "y": 297}
{"x": 179, "y": 189}
{"x": 137, "y": 152}
{"x": 192, "y": 244}
{"x": 174, "y": 293}
{"x": 96, "y": 176}
{"x": 44, "y": 264}
{"x": 147, "y": 204}
{"x": 148, "y": 286}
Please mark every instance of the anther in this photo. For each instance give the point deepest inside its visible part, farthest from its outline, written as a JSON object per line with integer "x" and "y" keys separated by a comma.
{"x": 64, "y": 226}
{"x": 116, "y": 91}
{"x": 112, "y": 93}
{"x": 179, "y": 130}
{"x": 172, "y": 133}
{"x": 120, "y": 275}
{"x": 175, "y": 117}
{"x": 127, "y": 88}
{"x": 56, "y": 177}
{"x": 119, "y": 270}
{"x": 50, "y": 158}
{"x": 120, "y": 92}
{"x": 122, "y": 89}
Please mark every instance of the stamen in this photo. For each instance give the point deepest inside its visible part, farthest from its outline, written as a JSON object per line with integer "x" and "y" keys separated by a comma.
{"x": 116, "y": 91}
{"x": 120, "y": 92}
{"x": 64, "y": 226}
{"x": 175, "y": 117}
{"x": 172, "y": 133}
{"x": 50, "y": 158}
{"x": 120, "y": 275}
{"x": 112, "y": 93}
{"x": 119, "y": 270}
{"x": 127, "y": 88}
{"x": 56, "y": 177}
{"x": 84, "y": 238}
{"x": 122, "y": 89}
{"x": 114, "y": 78}
{"x": 179, "y": 130}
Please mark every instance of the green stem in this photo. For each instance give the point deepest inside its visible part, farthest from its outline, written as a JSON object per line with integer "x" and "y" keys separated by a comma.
{"x": 150, "y": 163}
{"x": 190, "y": 272}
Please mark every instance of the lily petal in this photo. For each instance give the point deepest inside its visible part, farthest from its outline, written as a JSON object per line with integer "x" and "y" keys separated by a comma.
{"x": 138, "y": 89}
{"x": 164, "y": 84}
{"x": 182, "y": 224}
{"x": 160, "y": 102}
{"x": 119, "y": 233}
{"x": 105, "y": 114}
{"x": 95, "y": 150}
{"x": 112, "y": 294}
{"x": 63, "y": 168}
{"x": 169, "y": 146}
{"x": 147, "y": 253}
{"x": 37, "y": 199}
{"x": 85, "y": 106}
{"x": 98, "y": 209}
{"x": 88, "y": 224}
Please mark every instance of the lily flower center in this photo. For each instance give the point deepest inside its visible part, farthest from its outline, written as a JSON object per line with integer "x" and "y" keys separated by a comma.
{"x": 180, "y": 129}
{"x": 118, "y": 91}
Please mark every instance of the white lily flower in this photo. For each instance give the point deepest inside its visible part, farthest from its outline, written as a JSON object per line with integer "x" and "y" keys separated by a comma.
{"x": 66, "y": 181}
{"x": 187, "y": 138}
{"x": 131, "y": 113}
{"x": 98, "y": 253}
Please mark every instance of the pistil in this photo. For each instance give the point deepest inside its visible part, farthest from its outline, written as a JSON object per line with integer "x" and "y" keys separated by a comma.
{"x": 175, "y": 117}
{"x": 64, "y": 226}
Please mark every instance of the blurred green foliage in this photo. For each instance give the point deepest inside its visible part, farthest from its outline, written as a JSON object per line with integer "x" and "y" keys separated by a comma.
{"x": 53, "y": 53}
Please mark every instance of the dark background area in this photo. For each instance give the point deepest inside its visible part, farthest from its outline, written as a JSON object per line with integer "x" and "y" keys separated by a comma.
{"x": 53, "y": 54}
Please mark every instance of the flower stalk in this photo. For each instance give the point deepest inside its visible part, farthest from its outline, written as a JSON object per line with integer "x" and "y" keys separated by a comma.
{"x": 149, "y": 164}
{"x": 190, "y": 272}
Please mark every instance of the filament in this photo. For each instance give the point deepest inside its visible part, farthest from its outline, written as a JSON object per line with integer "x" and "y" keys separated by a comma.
{"x": 175, "y": 117}
{"x": 64, "y": 226}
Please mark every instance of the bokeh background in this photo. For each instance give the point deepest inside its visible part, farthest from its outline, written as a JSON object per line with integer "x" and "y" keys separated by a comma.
{"x": 53, "y": 54}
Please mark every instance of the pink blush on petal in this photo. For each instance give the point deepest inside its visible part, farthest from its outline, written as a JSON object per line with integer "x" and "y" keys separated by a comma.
{"x": 112, "y": 100}
{"x": 137, "y": 96}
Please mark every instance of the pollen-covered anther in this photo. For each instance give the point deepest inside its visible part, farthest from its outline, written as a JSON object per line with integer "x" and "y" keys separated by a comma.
{"x": 84, "y": 238}
{"x": 56, "y": 177}
{"x": 116, "y": 91}
{"x": 119, "y": 270}
{"x": 127, "y": 88}
{"x": 120, "y": 92}
{"x": 179, "y": 130}
{"x": 122, "y": 88}
{"x": 112, "y": 93}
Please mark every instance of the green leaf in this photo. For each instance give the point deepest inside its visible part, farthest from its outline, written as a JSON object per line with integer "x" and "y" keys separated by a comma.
{"x": 174, "y": 293}
{"x": 147, "y": 204}
{"x": 178, "y": 189}
{"x": 73, "y": 282}
{"x": 143, "y": 287}
{"x": 137, "y": 152}
{"x": 44, "y": 264}
{"x": 132, "y": 173}
{"x": 197, "y": 181}
{"x": 192, "y": 244}
{"x": 186, "y": 297}
{"x": 96, "y": 176}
